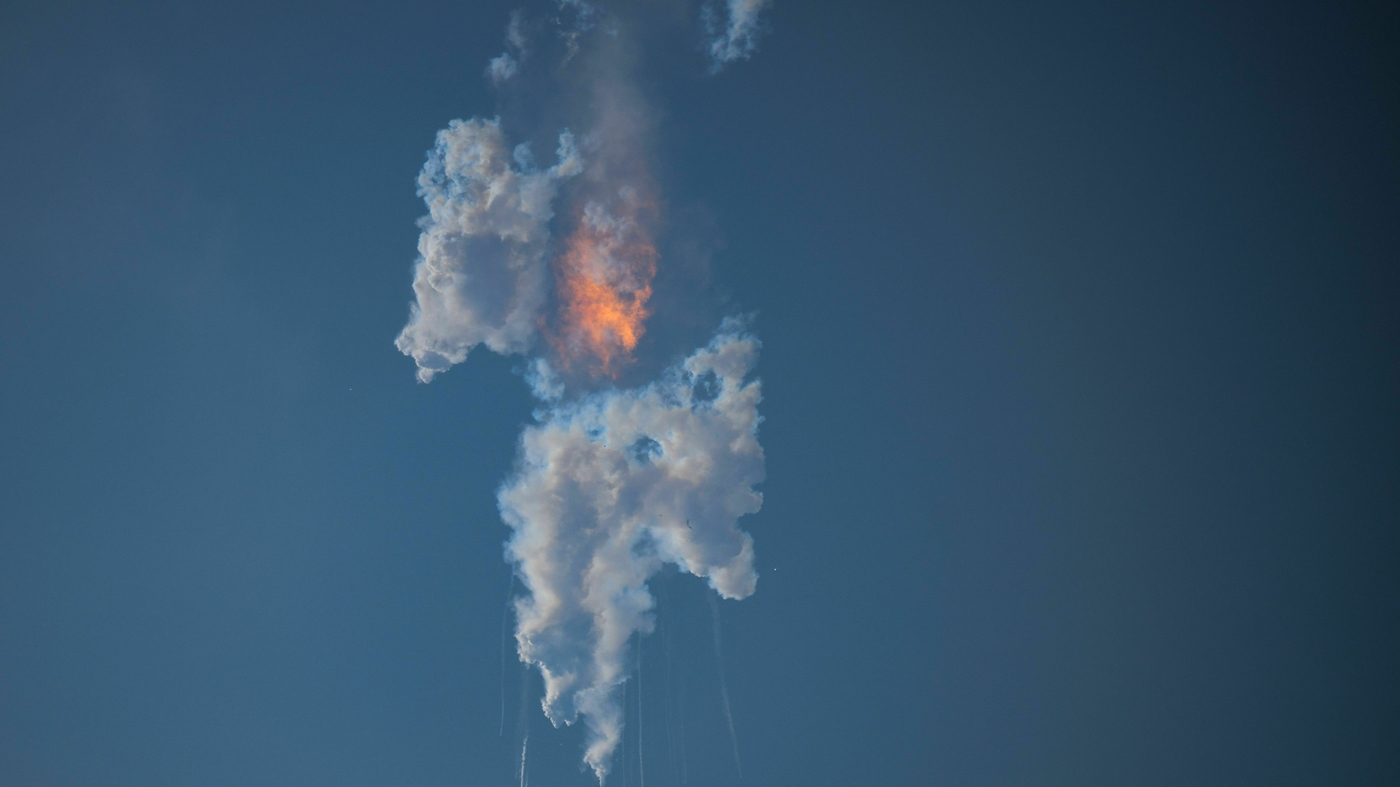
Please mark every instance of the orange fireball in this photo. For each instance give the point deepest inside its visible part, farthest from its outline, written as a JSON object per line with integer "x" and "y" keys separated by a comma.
{"x": 603, "y": 281}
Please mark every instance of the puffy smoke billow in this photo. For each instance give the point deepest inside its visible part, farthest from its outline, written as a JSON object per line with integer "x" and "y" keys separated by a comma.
{"x": 734, "y": 36}
{"x": 482, "y": 272}
{"x": 607, "y": 490}
{"x": 505, "y": 65}
{"x": 502, "y": 67}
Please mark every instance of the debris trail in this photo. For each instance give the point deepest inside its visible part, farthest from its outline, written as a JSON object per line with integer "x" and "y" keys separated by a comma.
{"x": 723, "y": 687}
{"x": 505, "y": 619}
{"x": 661, "y": 605}
{"x": 680, "y": 716}
{"x": 622, "y": 744}
{"x": 522, "y": 723}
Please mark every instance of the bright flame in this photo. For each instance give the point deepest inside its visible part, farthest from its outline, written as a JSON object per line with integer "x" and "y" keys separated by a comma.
{"x": 604, "y": 282}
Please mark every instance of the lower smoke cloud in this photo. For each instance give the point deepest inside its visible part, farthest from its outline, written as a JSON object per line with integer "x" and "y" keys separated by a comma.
{"x": 609, "y": 488}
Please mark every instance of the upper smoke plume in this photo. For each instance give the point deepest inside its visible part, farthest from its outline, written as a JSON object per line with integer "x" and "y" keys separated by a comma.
{"x": 482, "y": 268}
{"x": 505, "y": 65}
{"x": 733, "y": 36}
{"x": 610, "y": 484}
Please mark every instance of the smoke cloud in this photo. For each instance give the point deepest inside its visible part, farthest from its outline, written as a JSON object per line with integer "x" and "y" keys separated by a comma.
{"x": 505, "y": 65}
{"x": 482, "y": 271}
{"x": 608, "y": 489}
{"x": 557, "y": 264}
{"x": 734, "y": 35}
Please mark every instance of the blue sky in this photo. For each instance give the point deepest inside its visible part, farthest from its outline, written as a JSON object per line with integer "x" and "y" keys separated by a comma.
{"x": 1078, "y": 382}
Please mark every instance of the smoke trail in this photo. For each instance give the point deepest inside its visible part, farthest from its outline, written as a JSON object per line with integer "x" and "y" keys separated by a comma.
{"x": 723, "y": 685}
{"x": 680, "y": 716}
{"x": 641, "y": 750}
{"x": 522, "y": 717}
{"x": 669, "y": 635}
{"x": 662, "y": 604}
{"x": 610, "y": 484}
{"x": 603, "y": 277}
{"x": 625, "y": 762}
{"x": 505, "y": 618}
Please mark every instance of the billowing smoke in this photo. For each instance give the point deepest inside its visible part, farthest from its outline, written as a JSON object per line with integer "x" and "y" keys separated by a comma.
{"x": 608, "y": 489}
{"x": 482, "y": 272}
{"x": 557, "y": 263}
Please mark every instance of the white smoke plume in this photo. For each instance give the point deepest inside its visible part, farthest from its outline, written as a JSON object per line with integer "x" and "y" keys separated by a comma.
{"x": 735, "y": 34}
{"x": 608, "y": 489}
{"x": 610, "y": 483}
{"x": 482, "y": 271}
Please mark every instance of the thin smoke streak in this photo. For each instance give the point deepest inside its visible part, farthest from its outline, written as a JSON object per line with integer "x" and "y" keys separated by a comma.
{"x": 641, "y": 751}
{"x": 623, "y": 744}
{"x": 680, "y": 716}
{"x": 661, "y": 606}
{"x": 522, "y": 723}
{"x": 505, "y": 618}
{"x": 723, "y": 687}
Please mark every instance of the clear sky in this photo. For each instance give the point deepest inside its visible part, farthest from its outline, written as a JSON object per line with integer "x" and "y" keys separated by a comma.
{"x": 1079, "y": 372}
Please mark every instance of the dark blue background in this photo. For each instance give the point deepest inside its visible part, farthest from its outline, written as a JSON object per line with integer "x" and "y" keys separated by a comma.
{"x": 1080, "y": 374}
